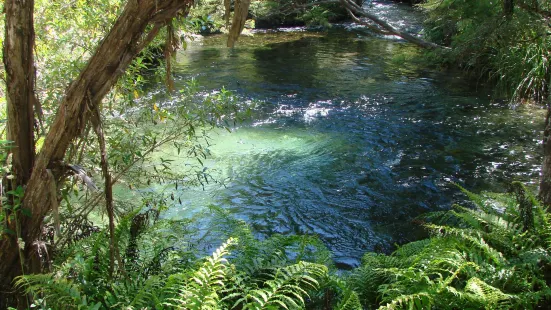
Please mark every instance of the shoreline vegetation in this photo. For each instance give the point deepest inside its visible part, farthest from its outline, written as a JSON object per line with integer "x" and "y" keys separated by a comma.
{"x": 76, "y": 74}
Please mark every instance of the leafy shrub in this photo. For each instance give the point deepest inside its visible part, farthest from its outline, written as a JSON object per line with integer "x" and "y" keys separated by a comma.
{"x": 318, "y": 16}
{"x": 513, "y": 50}
{"x": 159, "y": 271}
{"x": 495, "y": 256}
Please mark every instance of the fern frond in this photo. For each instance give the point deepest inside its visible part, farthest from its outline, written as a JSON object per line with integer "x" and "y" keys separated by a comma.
{"x": 350, "y": 301}
{"x": 479, "y": 200}
{"x": 287, "y": 289}
{"x": 59, "y": 293}
{"x": 413, "y": 301}
{"x": 487, "y": 295}
{"x": 412, "y": 248}
{"x": 202, "y": 287}
{"x": 471, "y": 237}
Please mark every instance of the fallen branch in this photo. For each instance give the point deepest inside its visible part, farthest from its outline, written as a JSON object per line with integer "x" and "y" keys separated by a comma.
{"x": 368, "y": 25}
{"x": 354, "y": 8}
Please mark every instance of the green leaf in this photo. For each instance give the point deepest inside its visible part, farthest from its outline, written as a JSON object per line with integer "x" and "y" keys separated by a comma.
{"x": 9, "y": 231}
{"x": 26, "y": 211}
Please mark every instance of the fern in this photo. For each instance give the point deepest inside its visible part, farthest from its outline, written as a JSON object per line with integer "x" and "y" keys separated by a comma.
{"x": 286, "y": 289}
{"x": 414, "y": 301}
{"x": 487, "y": 295}
{"x": 55, "y": 293}
{"x": 496, "y": 256}
{"x": 159, "y": 271}
{"x": 201, "y": 289}
{"x": 350, "y": 301}
{"x": 412, "y": 248}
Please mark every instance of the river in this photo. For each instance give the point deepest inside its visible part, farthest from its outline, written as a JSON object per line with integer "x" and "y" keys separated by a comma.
{"x": 353, "y": 138}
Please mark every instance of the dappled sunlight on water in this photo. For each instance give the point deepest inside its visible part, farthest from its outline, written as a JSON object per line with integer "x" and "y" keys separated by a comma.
{"x": 352, "y": 138}
{"x": 399, "y": 15}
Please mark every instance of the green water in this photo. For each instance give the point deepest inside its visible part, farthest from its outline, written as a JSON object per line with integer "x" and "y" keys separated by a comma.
{"x": 353, "y": 137}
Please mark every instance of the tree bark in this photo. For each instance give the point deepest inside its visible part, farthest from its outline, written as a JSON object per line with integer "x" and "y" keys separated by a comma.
{"x": 20, "y": 81}
{"x": 545, "y": 183}
{"x": 240, "y": 13}
{"x": 95, "y": 118}
{"x": 20, "y": 98}
{"x": 125, "y": 40}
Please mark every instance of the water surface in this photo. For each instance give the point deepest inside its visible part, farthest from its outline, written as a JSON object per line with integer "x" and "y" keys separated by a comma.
{"x": 353, "y": 137}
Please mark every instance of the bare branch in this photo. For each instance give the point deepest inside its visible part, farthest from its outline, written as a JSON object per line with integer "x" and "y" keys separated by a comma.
{"x": 368, "y": 25}
{"x": 95, "y": 118}
{"x": 353, "y": 7}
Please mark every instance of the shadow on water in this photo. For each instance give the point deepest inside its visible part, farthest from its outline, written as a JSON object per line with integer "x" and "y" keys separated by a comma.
{"x": 353, "y": 139}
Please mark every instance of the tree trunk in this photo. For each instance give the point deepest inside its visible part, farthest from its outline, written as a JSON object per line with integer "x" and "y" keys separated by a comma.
{"x": 20, "y": 81}
{"x": 545, "y": 184}
{"x": 20, "y": 98}
{"x": 508, "y": 7}
{"x": 240, "y": 13}
{"x": 125, "y": 40}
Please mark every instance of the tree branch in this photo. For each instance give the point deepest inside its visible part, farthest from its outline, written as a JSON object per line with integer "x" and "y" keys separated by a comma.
{"x": 239, "y": 18}
{"x": 353, "y": 7}
{"x": 368, "y": 25}
{"x": 105, "y": 67}
{"x": 95, "y": 118}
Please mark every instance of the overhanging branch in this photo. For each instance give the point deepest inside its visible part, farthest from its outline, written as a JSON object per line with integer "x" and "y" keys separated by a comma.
{"x": 354, "y": 8}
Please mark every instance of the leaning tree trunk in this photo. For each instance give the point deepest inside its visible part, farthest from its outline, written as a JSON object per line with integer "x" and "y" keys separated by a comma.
{"x": 125, "y": 40}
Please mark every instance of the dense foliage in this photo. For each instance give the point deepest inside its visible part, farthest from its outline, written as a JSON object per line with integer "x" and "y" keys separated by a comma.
{"x": 511, "y": 48}
{"x": 161, "y": 270}
{"x": 209, "y": 15}
{"x": 493, "y": 255}
{"x": 293, "y": 13}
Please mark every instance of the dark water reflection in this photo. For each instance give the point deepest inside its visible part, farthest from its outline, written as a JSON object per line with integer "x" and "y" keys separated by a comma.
{"x": 353, "y": 138}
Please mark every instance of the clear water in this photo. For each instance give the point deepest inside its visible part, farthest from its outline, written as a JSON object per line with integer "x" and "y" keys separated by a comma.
{"x": 353, "y": 138}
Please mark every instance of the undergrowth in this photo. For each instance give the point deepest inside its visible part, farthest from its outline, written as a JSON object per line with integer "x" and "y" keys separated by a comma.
{"x": 509, "y": 48}
{"x": 162, "y": 271}
{"x": 492, "y": 255}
